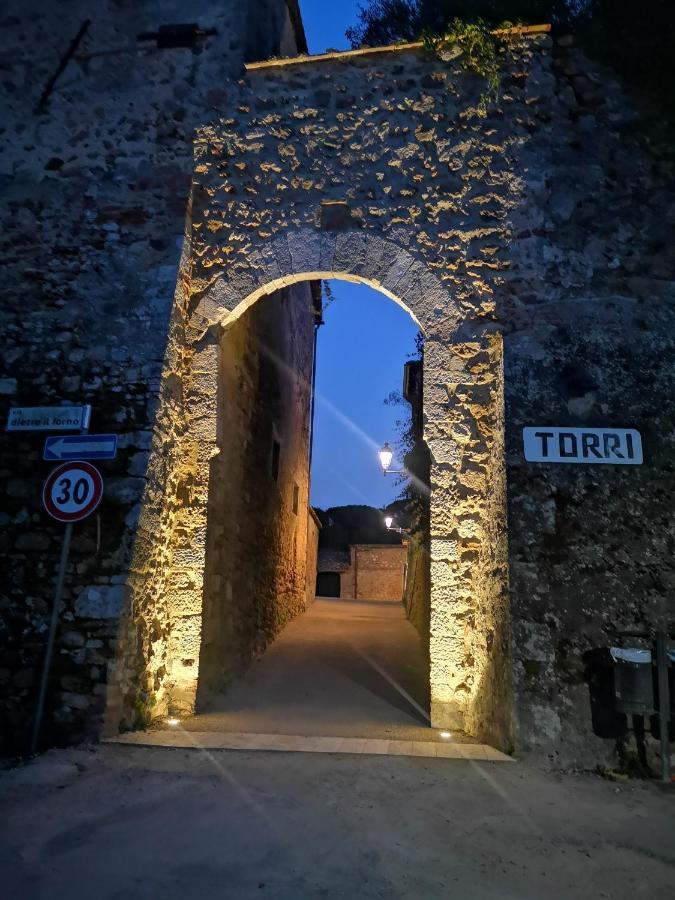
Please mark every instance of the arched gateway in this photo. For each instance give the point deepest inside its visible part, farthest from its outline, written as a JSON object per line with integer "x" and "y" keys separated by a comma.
{"x": 463, "y": 408}
{"x": 374, "y": 167}
{"x": 378, "y": 166}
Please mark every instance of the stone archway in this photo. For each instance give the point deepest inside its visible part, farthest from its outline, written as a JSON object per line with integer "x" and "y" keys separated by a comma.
{"x": 463, "y": 412}
{"x": 304, "y": 188}
{"x": 470, "y": 627}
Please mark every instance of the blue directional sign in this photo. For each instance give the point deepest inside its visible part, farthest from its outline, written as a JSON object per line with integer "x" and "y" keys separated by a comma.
{"x": 80, "y": 446}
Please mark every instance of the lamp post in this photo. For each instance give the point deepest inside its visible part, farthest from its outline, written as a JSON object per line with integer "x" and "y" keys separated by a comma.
{"x": 389, "y": 522}
{"x": 386, "y": 455}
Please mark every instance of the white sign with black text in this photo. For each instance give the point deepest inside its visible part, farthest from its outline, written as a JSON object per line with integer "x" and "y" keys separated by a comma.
{"x": 611, "y": 446}
{"x": 48, "y": 418}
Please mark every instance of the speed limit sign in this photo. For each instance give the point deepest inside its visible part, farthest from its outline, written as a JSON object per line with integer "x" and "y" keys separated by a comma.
{"x": 72, "y": 491}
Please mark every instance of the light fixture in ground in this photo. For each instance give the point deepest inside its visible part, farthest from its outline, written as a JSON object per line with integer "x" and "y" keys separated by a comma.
{"x": 446, "y": 735}
{"x": 173, "y": 721}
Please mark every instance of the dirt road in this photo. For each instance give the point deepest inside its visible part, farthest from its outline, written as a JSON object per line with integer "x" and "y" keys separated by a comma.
{"x": 126, "y": 822}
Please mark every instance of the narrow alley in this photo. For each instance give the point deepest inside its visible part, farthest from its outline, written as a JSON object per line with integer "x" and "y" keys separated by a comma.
{"x": 346, "y": 676}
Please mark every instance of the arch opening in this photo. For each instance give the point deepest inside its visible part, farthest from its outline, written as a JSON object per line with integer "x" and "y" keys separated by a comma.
{"x": 469, "y": 626}
{"x": 323, "y": 276}
{"x": 264, "y": 637}
{"x": 306, "y": 253}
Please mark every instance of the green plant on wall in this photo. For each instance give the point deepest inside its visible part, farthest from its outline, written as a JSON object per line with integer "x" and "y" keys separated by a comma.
{"x": 143, "y": 709}
{"x": 636, "y": 42}
{"x": 478, "y": 49}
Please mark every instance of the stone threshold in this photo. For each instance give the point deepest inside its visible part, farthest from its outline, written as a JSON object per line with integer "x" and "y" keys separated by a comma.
{"x": 292, "y": 743}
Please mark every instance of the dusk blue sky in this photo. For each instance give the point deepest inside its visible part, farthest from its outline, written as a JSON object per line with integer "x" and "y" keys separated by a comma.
{"x": 326, "y": 21}
{"x": 361, "y": 350}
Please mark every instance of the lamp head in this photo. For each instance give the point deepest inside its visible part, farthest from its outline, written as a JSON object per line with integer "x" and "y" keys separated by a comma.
{"x": 388, "y": 520}
{"x": 386, "y": 455}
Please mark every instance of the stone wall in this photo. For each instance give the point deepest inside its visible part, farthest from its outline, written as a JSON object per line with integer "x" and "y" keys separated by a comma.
{"x": 258, "y": 522}
{"x": 376, "y": 572}
{"x": 96, "y": 180}
{"x": 311, "y": 563}
{"x": 417, "y": 587}
{"x": 589, "y": 339}
{"x": 534, "y": 247}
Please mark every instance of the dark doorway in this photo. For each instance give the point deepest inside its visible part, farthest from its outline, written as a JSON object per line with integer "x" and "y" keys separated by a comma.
{"x": 328, "y": 584}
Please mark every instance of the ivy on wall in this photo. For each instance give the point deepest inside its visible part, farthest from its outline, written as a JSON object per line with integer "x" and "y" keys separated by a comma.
{"x": 478, "y": 49}
{"x": 637, "y": 42}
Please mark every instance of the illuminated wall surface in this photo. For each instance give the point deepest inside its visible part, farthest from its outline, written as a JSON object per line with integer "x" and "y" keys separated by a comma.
{"x": 96, "y": 187}
{"x": 375, "y": 572}
{"x": 534, "y": 248}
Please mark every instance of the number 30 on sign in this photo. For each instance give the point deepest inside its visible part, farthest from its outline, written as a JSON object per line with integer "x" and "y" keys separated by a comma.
{"x": 72, "y": 491}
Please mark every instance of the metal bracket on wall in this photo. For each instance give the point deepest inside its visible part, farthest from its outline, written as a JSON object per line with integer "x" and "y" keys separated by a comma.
{"x": 182, "y": 35}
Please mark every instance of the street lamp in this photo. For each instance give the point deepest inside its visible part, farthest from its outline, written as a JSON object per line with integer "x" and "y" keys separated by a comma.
{"x": 389, "y": 522}
{"x": 386, "y": 455}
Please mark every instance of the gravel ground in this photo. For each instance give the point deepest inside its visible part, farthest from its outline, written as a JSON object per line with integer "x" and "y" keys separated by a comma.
{"x": 126, "y": 822}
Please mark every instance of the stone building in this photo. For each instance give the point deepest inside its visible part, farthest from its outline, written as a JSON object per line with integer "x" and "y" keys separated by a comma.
{"x": 365, "y": 572}
{"x": 255, "y": 578}
{"x": 533, "y": 245}
{"x": 330, "y": 567}
{"x": 96, "y": 177}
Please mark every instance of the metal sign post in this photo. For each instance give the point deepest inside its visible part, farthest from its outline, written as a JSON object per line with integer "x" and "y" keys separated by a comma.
{"x": 72, "y": 492}
{"x": 662, "y": 662}
{"x": 63, "y": 504}
{"x": 58, "y": 591}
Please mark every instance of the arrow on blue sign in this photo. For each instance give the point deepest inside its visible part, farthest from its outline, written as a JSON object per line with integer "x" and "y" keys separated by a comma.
{"x": 80, "y": 446}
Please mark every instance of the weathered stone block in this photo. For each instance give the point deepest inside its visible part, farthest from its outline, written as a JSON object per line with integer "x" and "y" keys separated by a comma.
{"x": 73, "y": 639}
{"x": 123, "y": 491}
{"x": 8, "y": 386}
{"x": 102, "y": 602}
{"x": 32, "y": 542}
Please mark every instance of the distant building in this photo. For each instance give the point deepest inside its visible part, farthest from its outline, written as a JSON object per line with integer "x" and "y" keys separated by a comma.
{"x": 365, "y": 572}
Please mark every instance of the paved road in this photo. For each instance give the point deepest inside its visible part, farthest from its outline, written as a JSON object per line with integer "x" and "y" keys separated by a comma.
{"x": 344, "y": 668}
{"x": 123, "y": 823}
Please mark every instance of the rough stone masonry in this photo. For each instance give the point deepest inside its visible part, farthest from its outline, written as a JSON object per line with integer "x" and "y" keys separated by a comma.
{"x": 535, "y": 248}
{"x": 95, "y": 182}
